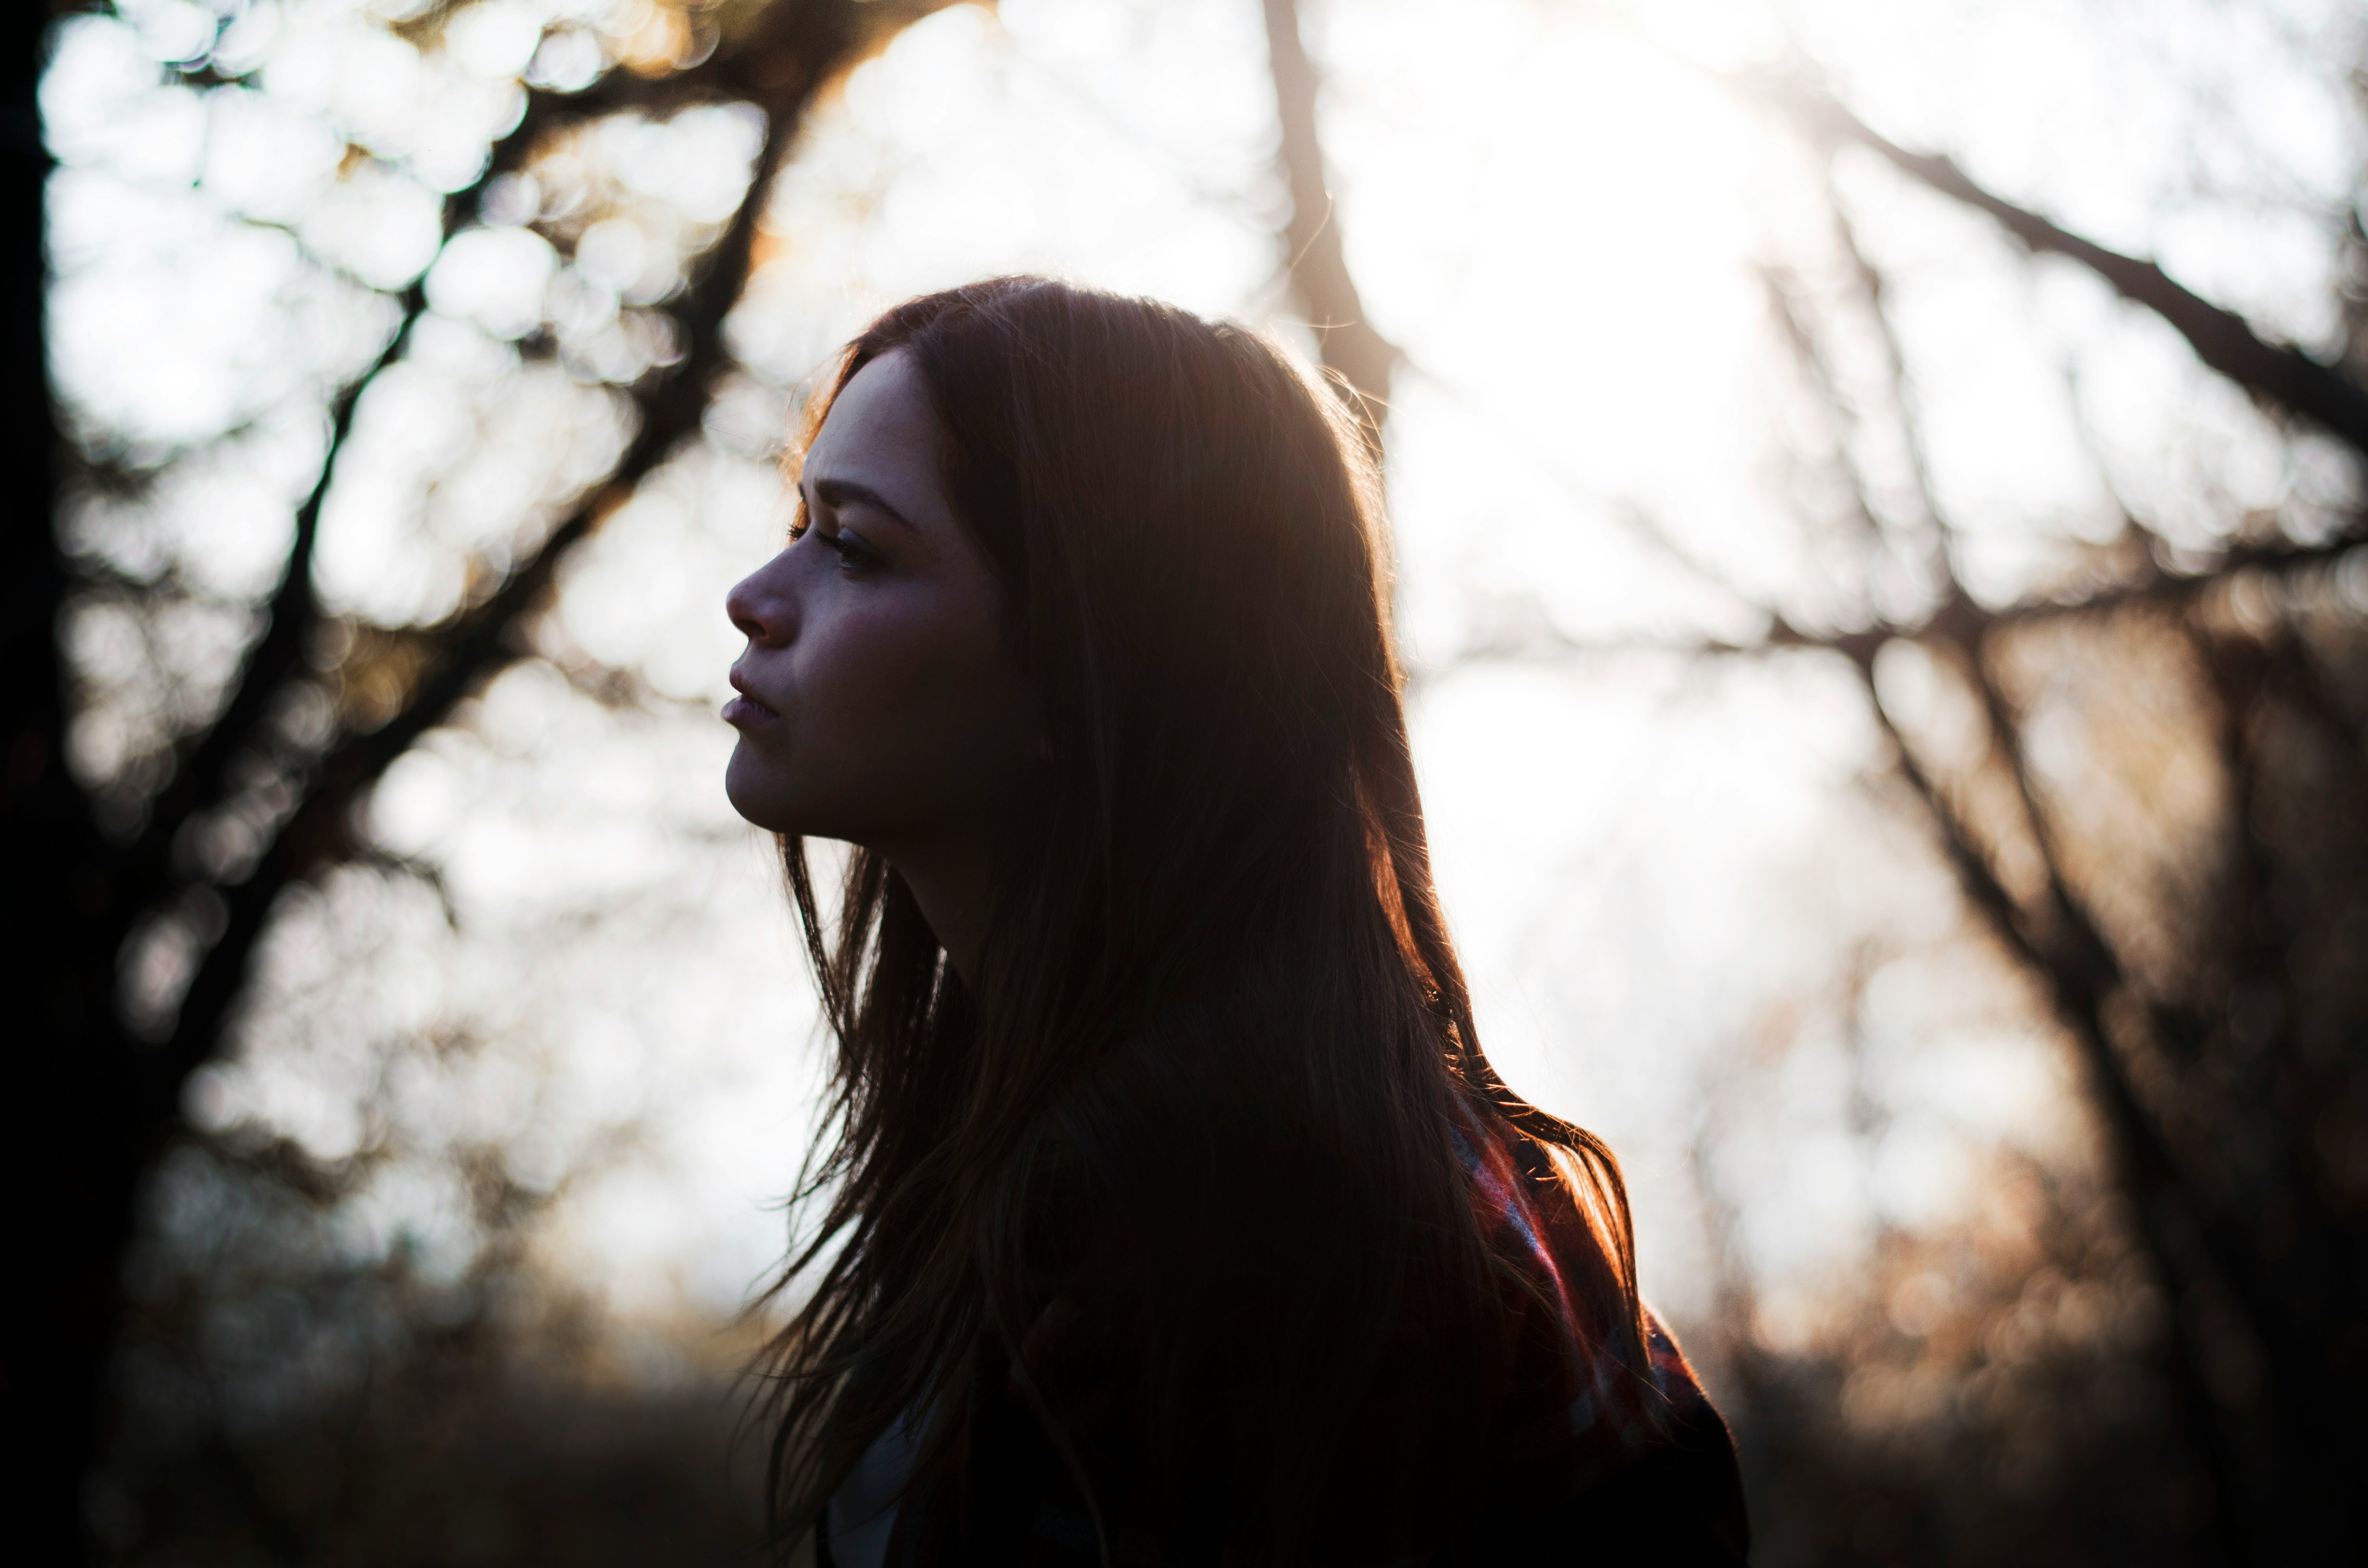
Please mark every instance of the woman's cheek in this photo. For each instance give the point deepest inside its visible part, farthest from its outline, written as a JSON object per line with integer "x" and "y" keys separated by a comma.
{"x": 901, "y": 658}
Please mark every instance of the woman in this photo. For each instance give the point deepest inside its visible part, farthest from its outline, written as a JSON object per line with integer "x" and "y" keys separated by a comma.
{"x": 1167, "y": 1210}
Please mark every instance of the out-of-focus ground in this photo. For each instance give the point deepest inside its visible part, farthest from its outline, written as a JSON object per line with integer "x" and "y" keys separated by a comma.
{"x": 448, "y": 1263}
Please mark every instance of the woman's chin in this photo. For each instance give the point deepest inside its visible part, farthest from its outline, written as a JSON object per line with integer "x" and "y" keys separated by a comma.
{"x": 757, "y": 795}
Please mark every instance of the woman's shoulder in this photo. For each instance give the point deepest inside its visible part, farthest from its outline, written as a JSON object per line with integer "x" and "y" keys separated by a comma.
{"x": 1633, "y": 1458}
{"x": 1565, "y": 1445}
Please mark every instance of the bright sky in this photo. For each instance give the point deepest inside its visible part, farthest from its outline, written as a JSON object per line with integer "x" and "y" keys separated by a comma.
{"x": 1665, "y": 875}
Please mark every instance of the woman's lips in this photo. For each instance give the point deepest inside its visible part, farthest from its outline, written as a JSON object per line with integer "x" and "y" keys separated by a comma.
{"x": 747, "y": 710}
{"x": 747, "y": 707}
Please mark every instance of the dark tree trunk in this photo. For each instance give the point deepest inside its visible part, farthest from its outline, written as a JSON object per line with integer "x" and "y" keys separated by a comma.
{"x": 78, "y": 1080}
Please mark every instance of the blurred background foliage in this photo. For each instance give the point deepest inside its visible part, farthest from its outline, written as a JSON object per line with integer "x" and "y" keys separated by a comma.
{"x": 1888, "y": 675}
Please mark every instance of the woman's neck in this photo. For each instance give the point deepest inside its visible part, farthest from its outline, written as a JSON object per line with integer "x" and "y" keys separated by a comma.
{"x": 953, "y": 881}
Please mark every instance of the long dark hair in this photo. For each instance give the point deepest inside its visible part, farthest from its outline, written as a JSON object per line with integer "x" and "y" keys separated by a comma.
{"x": 1217, "y": 1026}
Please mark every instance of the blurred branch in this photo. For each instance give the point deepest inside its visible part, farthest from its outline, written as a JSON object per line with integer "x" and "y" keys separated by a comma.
{"x": 2201, "y": 1250}
{"x": 291, "y": 616}
{"x": 426, "y": 873}
{"x": 2286, "y": 1294}
{"x": 2263, "y": 1276}
{"x": 1871, "y": 283}
{"x": 2201, "y": 1253}
{"x": 2058, "y": 939}
{"x": 779, "y": 65}
{"x": 73, "y": 897}
{"x": 2251, "y": 679}
{"x": 2278, "y": 373}
{"x": 2081, "y": 973}
{"x": 1359, "y": 357}
{"x": 1811, "y": 356}
{"x": 490, "y": 636}
{"x": 2091, "y": 442}
{"x": 293, "y": 613}
{"x": 1535, "y": 638}
{"x": 1958, "y": 617}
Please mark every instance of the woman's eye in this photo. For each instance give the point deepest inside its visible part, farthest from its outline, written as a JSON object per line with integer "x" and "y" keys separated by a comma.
{"x": 854, "y": 555}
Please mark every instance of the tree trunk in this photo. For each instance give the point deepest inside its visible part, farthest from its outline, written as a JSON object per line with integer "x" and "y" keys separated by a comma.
{"x": 1358, "y": 358}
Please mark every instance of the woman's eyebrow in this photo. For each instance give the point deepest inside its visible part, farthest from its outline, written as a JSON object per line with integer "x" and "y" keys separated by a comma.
{"x": 838, "y": 493}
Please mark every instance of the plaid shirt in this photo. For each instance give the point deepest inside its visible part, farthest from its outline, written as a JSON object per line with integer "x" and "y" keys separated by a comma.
{"x": 1586, "y": 1463}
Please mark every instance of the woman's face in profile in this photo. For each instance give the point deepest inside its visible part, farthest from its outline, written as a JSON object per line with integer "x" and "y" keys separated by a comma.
{"x": 881, "y": 699}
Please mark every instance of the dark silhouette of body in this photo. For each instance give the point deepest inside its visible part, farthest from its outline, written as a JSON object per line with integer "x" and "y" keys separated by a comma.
{"x": 1167, "y": 1203}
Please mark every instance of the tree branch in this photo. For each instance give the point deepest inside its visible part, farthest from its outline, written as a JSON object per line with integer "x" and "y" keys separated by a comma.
{"x": 1957, "y": 618}
{"x": 2277, "y": 373}
{"x": 2162, "y": 1206}
{"x": 748, "y": 69}
{"x": 291, "y": 618}
{"x": 488, "y": 638}
{"x": 293, "y": 613}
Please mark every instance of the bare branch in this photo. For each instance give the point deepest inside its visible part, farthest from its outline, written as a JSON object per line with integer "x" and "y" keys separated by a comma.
{"x": 1959, "y": 618}
{"x": 2163, "y": 1206}
{"x": 1801, "y": 337}
{"x": 1903, "y": 389}
{"x": 293, "y": 612}
{"x": 291, "y": 617}
{"x": 2278, "y": 373}
{"x": 489, "y": 637}
{"x": 199, "y": 782}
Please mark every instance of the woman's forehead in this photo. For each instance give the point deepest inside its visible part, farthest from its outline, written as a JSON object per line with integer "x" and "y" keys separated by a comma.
{"x": 882, "y": 414}
{"x": 883, "y": 436}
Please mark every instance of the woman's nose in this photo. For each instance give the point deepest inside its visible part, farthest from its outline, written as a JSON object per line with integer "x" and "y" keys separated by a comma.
{"x": 760, "y": 604}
